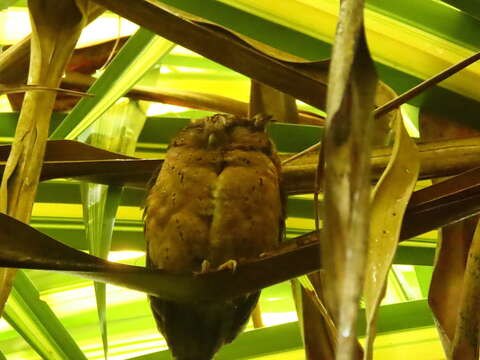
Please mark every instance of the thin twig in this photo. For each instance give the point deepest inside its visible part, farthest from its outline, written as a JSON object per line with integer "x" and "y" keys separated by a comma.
{"x": 403, "y": 98}
{"x": 24, "y": 88}
{"x": 308, "y": 150}
{"x": 115, "y": 45}
{"x": 410, "y": 94}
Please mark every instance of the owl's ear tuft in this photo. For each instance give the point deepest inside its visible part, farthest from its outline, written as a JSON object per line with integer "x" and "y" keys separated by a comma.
{"x": 261, "y": 120}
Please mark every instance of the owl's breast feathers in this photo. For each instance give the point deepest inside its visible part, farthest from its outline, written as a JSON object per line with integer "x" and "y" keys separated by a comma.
{"x": 217, "y": 198}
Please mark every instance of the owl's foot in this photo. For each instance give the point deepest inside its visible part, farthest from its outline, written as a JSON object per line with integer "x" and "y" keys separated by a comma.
{"x": 229, "y": 265}
{"x": 206, "y": 267}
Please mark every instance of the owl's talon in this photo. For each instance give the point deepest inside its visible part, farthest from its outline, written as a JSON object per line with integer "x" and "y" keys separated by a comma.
{"x": 229, "y": 265}
{"x": 205, "y": 268}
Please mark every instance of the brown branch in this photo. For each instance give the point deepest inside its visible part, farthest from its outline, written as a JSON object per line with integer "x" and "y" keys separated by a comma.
{"x": 437, "y": 159}
{"x": 448, "y": 202}
{"x": 76, "y": 160}
{"x": 426, "y": 84}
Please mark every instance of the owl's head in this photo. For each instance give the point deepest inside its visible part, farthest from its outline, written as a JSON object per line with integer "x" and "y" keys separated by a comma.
{"x": 226, "y": 132}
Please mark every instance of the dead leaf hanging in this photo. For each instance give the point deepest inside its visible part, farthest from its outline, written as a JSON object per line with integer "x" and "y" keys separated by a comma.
{"x": 55, "y": 30}
{"x": 350, "y": 100}
{"x": 389, "y": 202}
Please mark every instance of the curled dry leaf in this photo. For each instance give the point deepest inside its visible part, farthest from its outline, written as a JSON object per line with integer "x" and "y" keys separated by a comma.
{"x": 447, "y": 280}
{"x": 55, "y": 30}
{"x": 390, "y": 198}
{"x": 351, "y": 93}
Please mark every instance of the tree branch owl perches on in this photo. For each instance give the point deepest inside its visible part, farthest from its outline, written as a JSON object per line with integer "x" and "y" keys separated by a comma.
{"x": 216, "y": 199}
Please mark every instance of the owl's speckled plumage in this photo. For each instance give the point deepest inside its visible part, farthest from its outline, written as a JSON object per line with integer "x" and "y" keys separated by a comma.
{"x": 217, "y": 198}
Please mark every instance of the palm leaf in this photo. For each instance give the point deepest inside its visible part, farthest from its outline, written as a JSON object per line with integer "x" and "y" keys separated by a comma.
{"x": 36, "y": 322}
{"x": 139, "y": 54}
{"x": 442, "y": 204}
{"x": 46, "y": 253}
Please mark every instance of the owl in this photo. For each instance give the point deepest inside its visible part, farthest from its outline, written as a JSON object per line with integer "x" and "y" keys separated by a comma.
{"x": 217, "y": 200}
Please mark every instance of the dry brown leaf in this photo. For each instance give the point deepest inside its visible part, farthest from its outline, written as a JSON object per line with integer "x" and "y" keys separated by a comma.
{"x": 390, "y": 199}
{"x": 447, "y": 280}
{"x": 55, "y": 30}
{"x": 351, "y": 93}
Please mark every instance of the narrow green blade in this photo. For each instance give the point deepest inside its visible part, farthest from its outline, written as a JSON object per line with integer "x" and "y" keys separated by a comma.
{"x": 116, "y": 130}
{"x": 38, "y": 325}
{"x": 100, "y": 207}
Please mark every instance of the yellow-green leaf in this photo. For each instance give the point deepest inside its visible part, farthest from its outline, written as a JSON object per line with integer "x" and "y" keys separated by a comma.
{"x": 116, "y": 130}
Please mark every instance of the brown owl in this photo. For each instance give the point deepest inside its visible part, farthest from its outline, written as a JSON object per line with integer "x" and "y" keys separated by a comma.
{"x": 216, "y": 200}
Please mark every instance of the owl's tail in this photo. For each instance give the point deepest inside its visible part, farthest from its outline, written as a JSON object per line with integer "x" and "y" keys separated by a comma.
{"x": 197, "y": 331}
